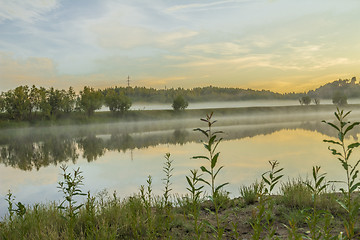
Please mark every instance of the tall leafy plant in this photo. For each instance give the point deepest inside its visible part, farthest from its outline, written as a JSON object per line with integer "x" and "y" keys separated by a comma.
{"x": 343, "y": 151}
{"x": 211, "y": 144}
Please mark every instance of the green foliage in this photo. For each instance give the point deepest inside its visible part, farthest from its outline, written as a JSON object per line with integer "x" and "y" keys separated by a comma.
{"x": 211, "y": 146}
{"x": 147, "y": 199}
{"x": 295, "y": 194}
{"x": 117, "y": 101}
{"x": 342, "y": 152}
{"x": 90, "y": 100}
{"x": 70, "y": 187}
{"x": 312, "y": 220}
{"x": 250, "y": 193}
{"x": 168, "y": 216}
{"x": 17, "y": 103}
{"x": 195, "y": 193}
{"x": 2, "y": 103}
{"x": 179, "y": 103}
{"x": 263, "y": 216}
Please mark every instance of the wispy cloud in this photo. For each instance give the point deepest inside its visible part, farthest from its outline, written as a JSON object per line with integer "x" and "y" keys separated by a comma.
{"x": 203, "y": 6}
{"x": 25, "y": 10}
{"x": 221, "y": 48}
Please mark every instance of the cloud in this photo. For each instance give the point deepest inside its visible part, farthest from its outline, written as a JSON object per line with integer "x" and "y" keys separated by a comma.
{"x": 43, "y": 72}
{"x": 25, "y": 10}
{"x": 14, "y": 72}
{"x": 224, "y": 48}
{"x": 126, "y": 37}
{"x": 203, "y": 6}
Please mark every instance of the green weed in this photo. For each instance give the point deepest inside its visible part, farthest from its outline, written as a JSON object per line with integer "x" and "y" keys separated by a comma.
{"x": 343, "y": 152}
{"x": 211, "y": 144}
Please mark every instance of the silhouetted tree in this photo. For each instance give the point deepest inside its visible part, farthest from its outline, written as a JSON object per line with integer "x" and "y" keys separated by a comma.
{"x": 305, "y": 100}
{"x": 179, "y": 103}
{"x": 316, "y": 101}
{"x": 339, "y": 98}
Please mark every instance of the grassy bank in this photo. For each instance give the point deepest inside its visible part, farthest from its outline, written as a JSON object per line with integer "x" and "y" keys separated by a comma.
{"x": 286, "y": 215}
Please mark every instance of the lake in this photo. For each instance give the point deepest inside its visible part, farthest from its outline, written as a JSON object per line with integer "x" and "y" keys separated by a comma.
{"x": 120, "y": 156}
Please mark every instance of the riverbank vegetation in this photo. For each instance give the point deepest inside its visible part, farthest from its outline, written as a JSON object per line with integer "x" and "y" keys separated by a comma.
{"x": 26, "y": 103}
{"x": 271, "y": 208}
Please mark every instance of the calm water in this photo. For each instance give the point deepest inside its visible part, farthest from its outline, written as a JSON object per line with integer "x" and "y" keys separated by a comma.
{"x": 120, "y": 156}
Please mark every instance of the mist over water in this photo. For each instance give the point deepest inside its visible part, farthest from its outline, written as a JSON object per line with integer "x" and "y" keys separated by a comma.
{"x": 120, "y": 156}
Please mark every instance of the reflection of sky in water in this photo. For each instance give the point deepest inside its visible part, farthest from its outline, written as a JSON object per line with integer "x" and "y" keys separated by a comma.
{"x": 244, "y": 160}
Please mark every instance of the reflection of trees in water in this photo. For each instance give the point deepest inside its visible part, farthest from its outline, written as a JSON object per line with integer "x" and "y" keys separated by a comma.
{"x": 92, "y": 147}
{"x": 35, "y": 151}
{"x": 25, "y": 154}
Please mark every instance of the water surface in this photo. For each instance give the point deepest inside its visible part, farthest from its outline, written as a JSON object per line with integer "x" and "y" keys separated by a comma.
{"x": 120, "y": 156}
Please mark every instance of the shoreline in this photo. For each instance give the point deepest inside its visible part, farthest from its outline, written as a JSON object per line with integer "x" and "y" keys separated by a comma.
{"x": 78, "y": 118}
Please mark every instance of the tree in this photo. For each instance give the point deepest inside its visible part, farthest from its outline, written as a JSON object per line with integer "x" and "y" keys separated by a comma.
{"x": 17, "y": 103}
{"x": 2, "y": 103}
{"x": 179, "y": 103}
{"x": 117, "y": 101}
{"x": 90, "y": 100}
{"x": 68, "y": 100}
{"x": 44, "y": 104}
{"x": 316, "y": 101}
{"x": 305, "y": 100}
{"x": 339, "y": 98}
{"x": 55, "y": 100}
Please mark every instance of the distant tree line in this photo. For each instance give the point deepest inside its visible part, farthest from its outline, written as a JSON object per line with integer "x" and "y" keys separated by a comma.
{"x": 200, "y": 94}
{"x": 338, "y": 91}
{"x": 26, "y": 103}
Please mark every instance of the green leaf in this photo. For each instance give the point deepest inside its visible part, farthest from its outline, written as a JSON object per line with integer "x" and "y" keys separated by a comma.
{"x": 342, "y": 205}
{"x": 203, "y": 131}
{"x": 201, "y": 157}
{"x": 310, "y": 187}
{"x": 204, "y": 181}
{"x": 265, "y": 179}
{"x": 212, "y": 139}
{"x": 346, "y": 114}
{"x": 279, "y": 170}
{"x": 353, "y": 188}
{"x": 189, "y": 182}
{"x": 217, "y": 143}
{"x": 207, "y": 147}
{"x": 331, "y": 141}
{"x": 334, "y": 152}
{"x": 214, "y": 160}
{"x": 218, "y": 171}
{"x": 353, "y": 145}
{"x": 356, "y": 164}
{"x": 338, "y": 116}
{"x": 205, "y": 170}
{"x": 277, "y": 178}
{"x": 219, "y": 187}
{"x": 351, "y": 126}
{"x": 341, "y": 136}
{"x": 332, "y": 125}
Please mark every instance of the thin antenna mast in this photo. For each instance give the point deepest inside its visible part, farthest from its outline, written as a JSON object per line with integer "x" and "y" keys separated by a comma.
{"x": 128, "y": 81}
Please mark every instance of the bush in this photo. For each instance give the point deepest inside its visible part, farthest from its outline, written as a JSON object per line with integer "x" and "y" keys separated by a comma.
{"x": 179, "y": 103}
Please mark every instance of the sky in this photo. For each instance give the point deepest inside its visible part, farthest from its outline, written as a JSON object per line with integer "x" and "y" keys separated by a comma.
{"x": 278, "y": 45}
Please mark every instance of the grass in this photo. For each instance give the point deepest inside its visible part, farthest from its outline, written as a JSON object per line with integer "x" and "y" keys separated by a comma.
{"x": 303, "y": 209}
